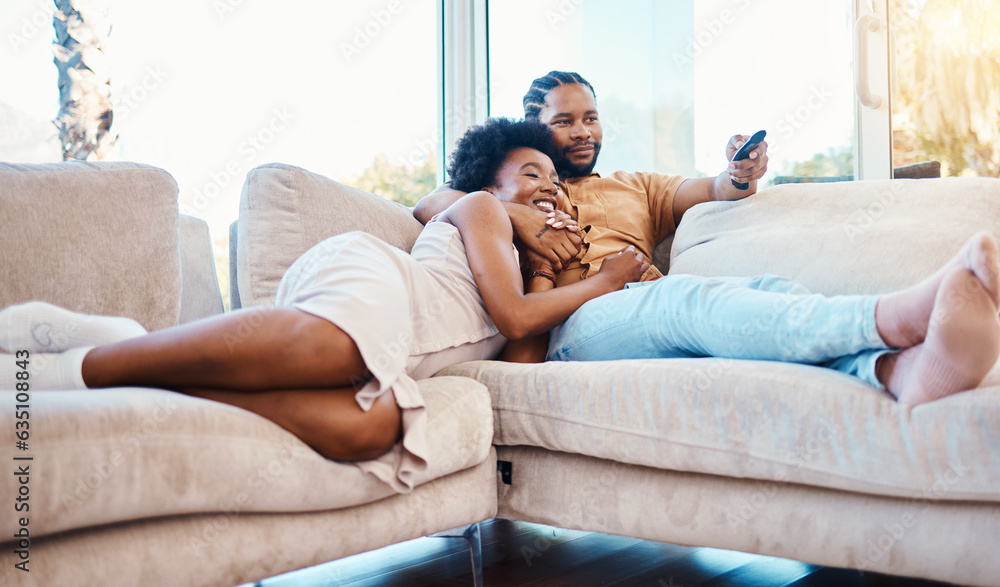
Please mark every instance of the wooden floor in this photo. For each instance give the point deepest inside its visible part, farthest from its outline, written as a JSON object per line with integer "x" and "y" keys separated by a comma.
{"x": 518, "y": 553}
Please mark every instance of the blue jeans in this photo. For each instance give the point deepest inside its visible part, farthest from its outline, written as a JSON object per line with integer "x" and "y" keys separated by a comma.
{"x": 764, "y": 318}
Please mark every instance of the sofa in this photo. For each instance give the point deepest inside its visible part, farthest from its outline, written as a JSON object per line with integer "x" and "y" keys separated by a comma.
{"x": 140, "y": 486}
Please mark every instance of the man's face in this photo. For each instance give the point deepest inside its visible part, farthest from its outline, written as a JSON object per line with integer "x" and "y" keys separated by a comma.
{"x": 571, "y": 112}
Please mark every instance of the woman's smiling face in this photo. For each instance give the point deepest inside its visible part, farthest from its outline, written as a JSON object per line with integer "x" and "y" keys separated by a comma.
{"x": 528, "y": 177}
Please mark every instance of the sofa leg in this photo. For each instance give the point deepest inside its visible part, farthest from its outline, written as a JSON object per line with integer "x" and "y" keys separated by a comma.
{"x": 476, "y": 546}
{"x": 471, "y": 535}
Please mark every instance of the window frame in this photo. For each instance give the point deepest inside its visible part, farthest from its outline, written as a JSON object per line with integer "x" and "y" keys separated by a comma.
{"x": 464, "y": 81}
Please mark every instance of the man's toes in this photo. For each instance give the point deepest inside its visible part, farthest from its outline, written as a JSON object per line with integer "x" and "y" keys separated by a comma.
{"x": 981, "y": 259}
{"x": 963, "y": 341}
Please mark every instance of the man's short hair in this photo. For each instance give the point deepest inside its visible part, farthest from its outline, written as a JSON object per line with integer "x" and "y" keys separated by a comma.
{"x": 534, "y": 100}
{"x": 482, "y": 150}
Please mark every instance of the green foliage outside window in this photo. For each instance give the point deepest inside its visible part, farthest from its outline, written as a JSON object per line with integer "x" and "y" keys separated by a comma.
{"x": 401, "y": 182}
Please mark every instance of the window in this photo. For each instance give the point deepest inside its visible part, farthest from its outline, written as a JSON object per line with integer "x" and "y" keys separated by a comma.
{"x": 210, "y": 89}
{"x": 675, "y": 80}
{"x": 947, "y": 58}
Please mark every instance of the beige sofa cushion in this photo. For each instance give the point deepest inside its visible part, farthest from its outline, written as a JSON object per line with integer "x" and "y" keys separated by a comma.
{"x": 837, "y": 238}
{"x": 815, "y": 525}
{"x": 285, "y": 210}
{"x": 237, "y": 547}
{"x": 200, "y": 293}
{"x": 774, "y": 421}
{"x": 99, "y": 238}
{"x": 751, "y": 419}
{"x": 105, "y": 456}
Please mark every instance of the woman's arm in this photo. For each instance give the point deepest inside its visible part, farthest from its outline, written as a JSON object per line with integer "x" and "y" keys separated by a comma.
{"x": 532, "y": 225}
{"x": 488, "y": 237}
{"x": 532, "y": 349}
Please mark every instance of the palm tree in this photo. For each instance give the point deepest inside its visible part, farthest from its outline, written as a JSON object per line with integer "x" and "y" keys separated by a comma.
{"x": 82, "y": 29}
{"x": 948, "y": 71}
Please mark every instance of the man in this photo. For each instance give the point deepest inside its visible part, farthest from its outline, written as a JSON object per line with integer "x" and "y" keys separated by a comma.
{"x": 931, "y": 340}
{"x": 638, "y": 209}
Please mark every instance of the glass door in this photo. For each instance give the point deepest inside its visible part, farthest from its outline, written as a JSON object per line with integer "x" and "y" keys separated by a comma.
{"x": 675, "y": 79}
{"x": 945, "y": 117}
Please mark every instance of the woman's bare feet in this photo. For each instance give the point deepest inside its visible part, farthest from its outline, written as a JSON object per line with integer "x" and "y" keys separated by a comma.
{"x": 902, "y": 317}
{"x": 962, "y": 344}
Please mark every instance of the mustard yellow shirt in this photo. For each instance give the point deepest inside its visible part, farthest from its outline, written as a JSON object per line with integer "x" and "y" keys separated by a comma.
{"x": 621, "y": 209}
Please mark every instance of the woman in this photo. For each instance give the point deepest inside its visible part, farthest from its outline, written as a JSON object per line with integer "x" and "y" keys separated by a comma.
{"x": 356, "y": 320}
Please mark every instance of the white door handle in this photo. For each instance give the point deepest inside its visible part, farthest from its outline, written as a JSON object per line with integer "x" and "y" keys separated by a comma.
{"x": 862, "y": 28}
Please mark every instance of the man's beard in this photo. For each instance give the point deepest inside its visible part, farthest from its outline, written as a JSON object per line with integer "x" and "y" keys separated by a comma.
{"x": 569, "y": 170}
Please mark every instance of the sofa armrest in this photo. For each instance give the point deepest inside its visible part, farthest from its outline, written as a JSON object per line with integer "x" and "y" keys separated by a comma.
{"x": 100, "y": 238}
{"x": 856, "y": 237}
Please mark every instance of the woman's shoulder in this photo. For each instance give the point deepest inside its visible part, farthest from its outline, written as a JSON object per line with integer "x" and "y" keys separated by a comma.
{"x": 473, "y": 203}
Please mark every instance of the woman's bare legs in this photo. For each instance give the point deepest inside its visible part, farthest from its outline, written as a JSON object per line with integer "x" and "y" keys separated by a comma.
{"x": 249, "y": 350}
{"x": 328, "y": 420}
{"x": 298, "y": 370}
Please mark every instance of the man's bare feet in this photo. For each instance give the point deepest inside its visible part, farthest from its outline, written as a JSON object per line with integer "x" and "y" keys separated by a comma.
{"x": 902, "y": 317}
{"x": 962, "y": 344}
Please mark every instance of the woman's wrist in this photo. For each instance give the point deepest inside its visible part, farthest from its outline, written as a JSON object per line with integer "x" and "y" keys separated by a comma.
{"x": 539, "y": 280}
{"x": 543, "y": 274}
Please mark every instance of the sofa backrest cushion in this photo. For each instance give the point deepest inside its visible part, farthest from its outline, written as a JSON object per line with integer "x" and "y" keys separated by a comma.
{"x": 200, "y": 293}
{"x": 863, "y": 237}
{"x": 285, "y": 210}
{"x": 100, "y": 238}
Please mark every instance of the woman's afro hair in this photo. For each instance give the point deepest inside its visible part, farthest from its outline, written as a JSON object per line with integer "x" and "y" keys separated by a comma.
{"x": 482, "y": 150}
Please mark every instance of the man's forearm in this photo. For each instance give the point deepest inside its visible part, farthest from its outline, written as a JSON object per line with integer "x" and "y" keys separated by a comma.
{"x": 435, "y": 203}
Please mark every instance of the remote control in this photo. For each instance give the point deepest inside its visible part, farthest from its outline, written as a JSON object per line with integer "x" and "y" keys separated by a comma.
{"x": 744, "y": 152}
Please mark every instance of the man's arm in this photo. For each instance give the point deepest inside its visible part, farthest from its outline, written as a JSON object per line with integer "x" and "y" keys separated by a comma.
{"x": 720, "y": 188}
{"x": 435, "y": 202}
{"x": 552, "y": 235}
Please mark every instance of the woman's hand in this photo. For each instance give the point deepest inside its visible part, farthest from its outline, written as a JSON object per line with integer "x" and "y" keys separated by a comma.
{"x": 562, "y": 220}
{"x": 554, "y": 235}
{"x": 625, "y": 267}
